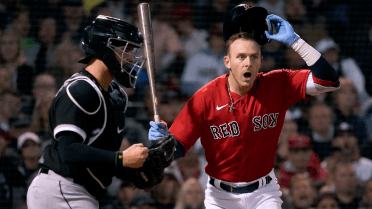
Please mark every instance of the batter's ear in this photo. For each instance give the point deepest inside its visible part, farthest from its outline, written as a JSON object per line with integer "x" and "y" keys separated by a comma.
{"x": 226, "y": 60}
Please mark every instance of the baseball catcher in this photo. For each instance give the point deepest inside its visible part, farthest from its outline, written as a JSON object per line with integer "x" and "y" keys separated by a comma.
{"x": 87, "y": 122}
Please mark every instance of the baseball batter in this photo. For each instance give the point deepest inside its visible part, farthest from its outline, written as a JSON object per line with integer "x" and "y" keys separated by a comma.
{"x": 239, "y": 116}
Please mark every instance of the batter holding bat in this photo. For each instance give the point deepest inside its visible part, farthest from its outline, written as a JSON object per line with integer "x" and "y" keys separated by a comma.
{"x": 239, "y": 116}
{"x": 87, "y": 122}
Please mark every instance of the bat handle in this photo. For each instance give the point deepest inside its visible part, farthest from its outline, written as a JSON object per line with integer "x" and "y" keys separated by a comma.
{"x": 156, "y": 119}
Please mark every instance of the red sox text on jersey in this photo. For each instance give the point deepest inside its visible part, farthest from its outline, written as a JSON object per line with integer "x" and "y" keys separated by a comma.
{"x": 231, "y": 129}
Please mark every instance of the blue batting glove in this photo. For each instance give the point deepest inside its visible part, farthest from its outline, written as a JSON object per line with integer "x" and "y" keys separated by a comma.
{"x": 157, "y": 130}
{"x": 285, "y": 33}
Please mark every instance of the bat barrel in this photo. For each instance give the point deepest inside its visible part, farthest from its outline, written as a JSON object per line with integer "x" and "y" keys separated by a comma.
{"x": 146, "y": 29}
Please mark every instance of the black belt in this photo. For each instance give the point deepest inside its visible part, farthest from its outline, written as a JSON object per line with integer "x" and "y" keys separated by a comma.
{"x": 239, "y": 190}
{"x": 46, "y": 171}
{"x": 93, "y": 190}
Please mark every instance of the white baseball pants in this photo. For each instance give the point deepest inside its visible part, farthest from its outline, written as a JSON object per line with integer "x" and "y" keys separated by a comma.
{"x": 54, "y": 191}
{"x": 265, "y": 197}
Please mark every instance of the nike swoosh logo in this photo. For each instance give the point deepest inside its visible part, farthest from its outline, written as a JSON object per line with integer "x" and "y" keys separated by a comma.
{"x": 120, "y": 130}
{"x": 218, "y": 108}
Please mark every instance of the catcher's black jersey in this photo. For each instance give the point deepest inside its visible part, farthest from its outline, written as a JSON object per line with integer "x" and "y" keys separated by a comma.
{"x": 81, "y": 106}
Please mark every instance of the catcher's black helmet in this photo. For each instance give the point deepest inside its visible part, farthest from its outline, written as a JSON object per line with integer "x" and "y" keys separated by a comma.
{"x": 103, "y": 39}
{"x": 245, "y": 18}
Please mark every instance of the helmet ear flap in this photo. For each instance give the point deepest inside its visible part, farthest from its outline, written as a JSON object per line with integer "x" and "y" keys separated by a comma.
{"x": 88, "y": 35}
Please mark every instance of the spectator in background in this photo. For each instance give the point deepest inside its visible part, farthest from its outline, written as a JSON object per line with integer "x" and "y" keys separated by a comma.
{"x": 360, "y": 46}
{"x": 20, "y": 23}
{"x": 290, "y": 128}
{"x": 6, "y": 83}
{"x": 191, "y": 195}
{"x": 346, "y": 140}
{"x": 29, "y": 148}
{"x": 5, "y": 10}
{"x": 302, "y": 193}
{"x": 135, "y": 133}
{"x": 320, "y": 118}
{"x": 74, "y": 19}
{"x": 346, "y": 185}
{"x": 167, "y": 43}
{"x": 314, "y": 9}
{"x": 165, "y": 194}
{"x": 328, "y": 164}
{"x": 40, "y": 116}
{"x": 48, "y": 35}
{"x": 9, "y": 106}
{"x": 205, "y": 65}
{"x": 125, "y": 195}
{"x": 43, "y": 84}
{"x": 213, "y": 11}
{"x": 122, "y": 9}
{"x": 366, "y": 202}
{"x": 273, "y": 56}
{"x": 346, "y": 108}
{"x": 190, "y": 166}
{"x": 326, "y": 200}
{"x": 345, "y": 66}
{"x": 65, "y": 60}
{"x": 293, "y": 60}
{"x": 276, "y": 7}
{"x": 12, "y": 183}
{"x": 12, "y": 119}
{"x": 142, "y": 202}
{"x": 338, "y": 14}
{"x": 171, "y": 105}
{"x": 193, "y": 39}
{"x": 13, "y": 59}
{"x": 295, "y": 13}
{"x": 301, "y": 160}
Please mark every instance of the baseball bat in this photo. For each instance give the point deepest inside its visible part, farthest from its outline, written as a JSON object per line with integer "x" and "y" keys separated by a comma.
{"x": 146, "y": 29}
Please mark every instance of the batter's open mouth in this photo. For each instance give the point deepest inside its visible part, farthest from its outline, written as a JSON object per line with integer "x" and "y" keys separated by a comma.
{"x": 247, "y": 75}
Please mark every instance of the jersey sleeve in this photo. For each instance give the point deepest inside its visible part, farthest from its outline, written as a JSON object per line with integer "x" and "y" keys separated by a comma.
{"x": 76, "y": 109}
{"x": 295, "y": 86}
{"x": 188, "y": 126}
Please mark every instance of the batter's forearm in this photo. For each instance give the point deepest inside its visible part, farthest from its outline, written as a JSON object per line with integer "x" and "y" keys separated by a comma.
{"x": 318, "y": 65}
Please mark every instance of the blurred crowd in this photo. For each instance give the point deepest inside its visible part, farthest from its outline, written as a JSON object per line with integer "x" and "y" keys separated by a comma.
{"x": 324, "y": 157}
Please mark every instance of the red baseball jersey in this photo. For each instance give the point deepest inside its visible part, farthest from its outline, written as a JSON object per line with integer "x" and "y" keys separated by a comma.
{"x": 240, "y": 145}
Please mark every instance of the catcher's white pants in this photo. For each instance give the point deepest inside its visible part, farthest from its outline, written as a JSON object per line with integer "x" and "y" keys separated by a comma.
{"x": 54, "y": 191}
{"x": 265, "y": 197}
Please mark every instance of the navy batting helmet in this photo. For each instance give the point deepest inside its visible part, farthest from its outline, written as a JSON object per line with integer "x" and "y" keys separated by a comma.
{"x": 245, "y": 18}
{"x": 110, "y": 39}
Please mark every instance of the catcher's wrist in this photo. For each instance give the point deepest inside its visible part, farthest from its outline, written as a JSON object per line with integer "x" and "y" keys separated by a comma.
{"x": 119, "y": 159}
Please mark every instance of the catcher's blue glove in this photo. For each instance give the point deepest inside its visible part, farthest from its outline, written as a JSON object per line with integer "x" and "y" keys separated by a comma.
{"x": 285, "y": 33}
{"x": 157, "y": 130}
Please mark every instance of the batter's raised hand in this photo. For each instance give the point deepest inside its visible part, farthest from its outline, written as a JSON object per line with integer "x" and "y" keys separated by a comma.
{"x": 285, "y": 33}
{"x": 157, "y": 130}
{"x": 135, "y": 156}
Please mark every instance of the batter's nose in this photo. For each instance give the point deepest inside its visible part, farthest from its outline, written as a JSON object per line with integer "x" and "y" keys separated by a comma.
{"x": 248, "y": 62}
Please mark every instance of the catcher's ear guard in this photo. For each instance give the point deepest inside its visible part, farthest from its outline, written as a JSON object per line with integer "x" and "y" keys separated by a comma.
{"x": 246, "y": 18}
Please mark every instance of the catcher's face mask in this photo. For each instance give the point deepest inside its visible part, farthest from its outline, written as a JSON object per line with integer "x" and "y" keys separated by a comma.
{"x": 130, "y": 63}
